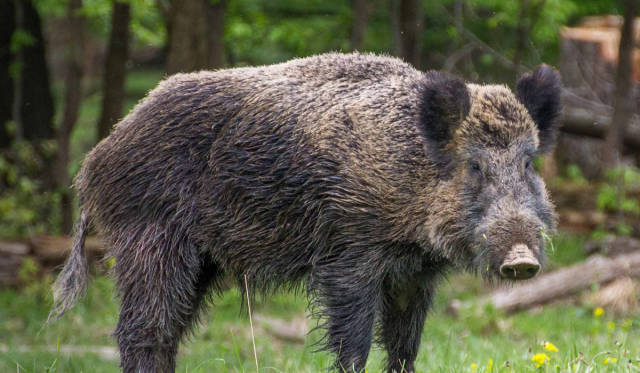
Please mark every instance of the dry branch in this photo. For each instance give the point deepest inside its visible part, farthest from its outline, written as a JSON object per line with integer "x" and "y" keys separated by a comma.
{"x": 565, "y": 282}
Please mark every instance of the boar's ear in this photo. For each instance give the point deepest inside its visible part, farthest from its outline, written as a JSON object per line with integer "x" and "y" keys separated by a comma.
{"x": 445, "y": 103}
{"x": 539, "y": 91}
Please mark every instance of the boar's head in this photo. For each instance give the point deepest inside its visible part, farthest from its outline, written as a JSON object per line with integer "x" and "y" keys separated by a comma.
{"x": 493, "y": 213}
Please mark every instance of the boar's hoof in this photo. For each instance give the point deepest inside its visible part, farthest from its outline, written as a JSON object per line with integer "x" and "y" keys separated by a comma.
{"x": 520, "y": 264}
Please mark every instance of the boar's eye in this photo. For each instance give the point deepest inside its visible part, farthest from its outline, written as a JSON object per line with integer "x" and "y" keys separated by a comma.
{"x": 528, "y": 164}
{"x": 475, "y": 167}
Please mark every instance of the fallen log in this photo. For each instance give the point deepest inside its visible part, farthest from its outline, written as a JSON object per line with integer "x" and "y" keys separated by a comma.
{"x": 564, "y": 282}
{"x": 585, "y": 122}
{"x": 56, "y": 248}
{"x": 14, "y": 248}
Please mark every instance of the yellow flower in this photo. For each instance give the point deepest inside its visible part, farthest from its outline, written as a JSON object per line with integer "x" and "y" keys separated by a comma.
{"x": 598, "y": 311}
{"x": 610, "y": 360}
{"x": 111, "y": 262}
{"x": 540, "y": 359}
{"x": 474, "y": 367}
{"x": 611, "y": 325}
{"x": 550, "y": 347}
{"x": 489, "y": 365}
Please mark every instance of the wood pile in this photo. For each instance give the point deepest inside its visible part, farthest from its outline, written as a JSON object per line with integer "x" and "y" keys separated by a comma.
{"x": 47, "y": 251}
{"x": 588, "y": 61}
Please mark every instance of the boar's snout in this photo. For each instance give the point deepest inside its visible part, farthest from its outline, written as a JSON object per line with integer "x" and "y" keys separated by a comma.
{"x": 519, "y": 264}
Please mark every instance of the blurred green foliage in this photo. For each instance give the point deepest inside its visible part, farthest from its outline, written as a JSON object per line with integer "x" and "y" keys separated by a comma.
{"x": 574, "y": 174}
{"x": 267, "y": 31}
{"x": 262, "y": 32}
{"x": 613, "y": 194}
{"x": 24, "y": 199}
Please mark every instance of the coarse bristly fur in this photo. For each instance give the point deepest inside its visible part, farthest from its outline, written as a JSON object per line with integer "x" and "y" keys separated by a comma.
{"x": 357, "y": 175}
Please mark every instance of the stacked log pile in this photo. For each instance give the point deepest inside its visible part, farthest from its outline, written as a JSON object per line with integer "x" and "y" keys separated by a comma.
{"x": 47, "y": 251}
{"x": 588, "y": 62}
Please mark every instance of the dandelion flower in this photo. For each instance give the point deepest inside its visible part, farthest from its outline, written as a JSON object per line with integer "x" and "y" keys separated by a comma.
{"x": 540, "y": 359}
{"x": 550, "y": 347}
{"x": 489, "y": 365}
{"x": 610, "y": 360}
{"x": 111, "y": 262}
{"x": 598, "y": 311}
{"x": 474, "y": 367}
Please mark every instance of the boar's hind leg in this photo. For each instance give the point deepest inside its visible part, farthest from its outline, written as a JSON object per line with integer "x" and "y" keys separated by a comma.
{"x": 404, "y": 309}
{"x": 161, "y": 286}
{"x": 348, "y": 294}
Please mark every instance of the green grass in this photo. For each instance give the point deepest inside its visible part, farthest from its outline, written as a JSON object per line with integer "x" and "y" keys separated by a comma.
{"x": 494, "y": 342}
{"x": 565, "y": 249}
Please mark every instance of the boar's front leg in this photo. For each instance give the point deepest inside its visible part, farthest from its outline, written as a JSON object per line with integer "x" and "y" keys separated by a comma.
{"x": 405, "y": 302}
{"x": 348, "y": 291}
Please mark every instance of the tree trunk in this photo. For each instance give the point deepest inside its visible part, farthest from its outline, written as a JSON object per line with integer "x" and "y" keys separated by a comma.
{"x": 360, "y": 16}
{"x": 36, "y": 109}
{"x": 522, "y": 33}
{"x": 25, "y": 95}
{"x": 115, "y": 68}
{"x": 17, "y": 74}
{"x": 394, "y": 21}
{"x": 72, "y": 100}
{"x": 7, "y": 26}
{"x": 164, "y": 6}
{"x": 623, "y": 105}
{"x": 189, "y": 49}
{"x": 215, "y": 32}
{"x": 410, "y": 28}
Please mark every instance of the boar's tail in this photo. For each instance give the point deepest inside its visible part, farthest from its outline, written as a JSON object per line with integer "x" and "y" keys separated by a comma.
{"x": 72, "y": 281}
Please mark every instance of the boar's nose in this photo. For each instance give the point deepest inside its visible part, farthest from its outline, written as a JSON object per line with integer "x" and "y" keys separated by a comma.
{"x": 519, "y": 264}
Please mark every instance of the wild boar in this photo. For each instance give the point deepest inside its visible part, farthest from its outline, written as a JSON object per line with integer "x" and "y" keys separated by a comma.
{"x": 356, "y": 175}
